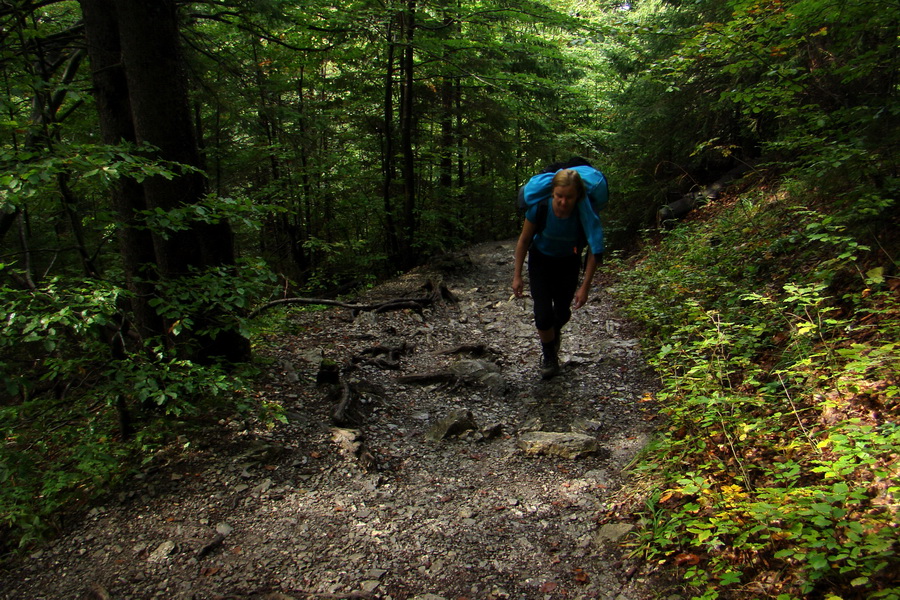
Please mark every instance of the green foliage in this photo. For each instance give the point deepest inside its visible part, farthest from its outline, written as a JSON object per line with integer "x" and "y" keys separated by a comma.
{"x": 60, "y": 468}
{"x": 800, "y": 86}
{"x": 64, "y": 389}
{"x": 29, "y": 174}
{"x": 767, "y": 361}
{"x": 778, "y": 463}
{"x": 51, "y": 322}
{"x": 212, "y": 301}
{"x": 213, "y": 210}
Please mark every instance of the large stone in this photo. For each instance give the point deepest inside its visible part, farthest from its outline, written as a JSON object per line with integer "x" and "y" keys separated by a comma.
{"x": 613, "y": 532}
{"x": 563, "y": 445}
{"x": 586, "y": 426}
{"x": 474, "y": 370}
{"x": 453, "y": 424}
{"x": 162, "y": 552}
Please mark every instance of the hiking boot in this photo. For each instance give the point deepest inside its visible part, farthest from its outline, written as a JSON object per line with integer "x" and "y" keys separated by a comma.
{"x": 549, "y": 367}
{"x": 550, "y": 361}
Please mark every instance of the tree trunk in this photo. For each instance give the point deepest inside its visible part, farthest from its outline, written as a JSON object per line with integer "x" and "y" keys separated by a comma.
{"x": 387, "y": 159}
{"x": 114, "y": 108}
{"x": 136, "y": 42}
{"x": 407, "y": 125}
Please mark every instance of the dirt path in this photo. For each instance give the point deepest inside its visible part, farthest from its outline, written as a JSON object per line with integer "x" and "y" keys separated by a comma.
{"x": 308, "y": 511}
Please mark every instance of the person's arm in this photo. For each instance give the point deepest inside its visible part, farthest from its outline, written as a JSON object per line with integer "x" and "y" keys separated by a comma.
{"x": 528, "y": 231}
{"x": 581, "y": 294}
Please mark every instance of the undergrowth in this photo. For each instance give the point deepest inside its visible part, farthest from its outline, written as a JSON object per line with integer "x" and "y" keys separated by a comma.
{"x": 774, "y": 328}
{"x": 77, "y": 417}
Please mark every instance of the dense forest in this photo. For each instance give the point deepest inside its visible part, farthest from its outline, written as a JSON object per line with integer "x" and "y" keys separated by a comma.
{"x": 170, "y": 166}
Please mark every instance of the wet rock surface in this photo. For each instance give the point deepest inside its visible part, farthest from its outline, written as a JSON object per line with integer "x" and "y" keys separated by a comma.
{"x": 435, "y": 490}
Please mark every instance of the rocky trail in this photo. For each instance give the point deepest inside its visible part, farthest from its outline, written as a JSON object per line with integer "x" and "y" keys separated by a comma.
{"x": 454, "y": 471}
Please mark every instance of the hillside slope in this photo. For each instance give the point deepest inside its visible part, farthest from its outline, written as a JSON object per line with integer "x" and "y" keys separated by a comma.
{"x": 772, "y": 316}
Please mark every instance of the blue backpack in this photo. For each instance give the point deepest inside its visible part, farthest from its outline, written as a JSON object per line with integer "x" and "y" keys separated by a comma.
{"x": 538, "y": 191}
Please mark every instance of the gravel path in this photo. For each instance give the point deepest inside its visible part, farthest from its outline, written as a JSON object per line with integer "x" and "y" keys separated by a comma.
{"x": 390, "y": 507}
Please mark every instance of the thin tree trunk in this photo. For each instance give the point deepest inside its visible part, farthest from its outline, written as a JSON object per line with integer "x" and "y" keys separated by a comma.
{"x": 387, "y": 159}
{"x": 407, "y": 125}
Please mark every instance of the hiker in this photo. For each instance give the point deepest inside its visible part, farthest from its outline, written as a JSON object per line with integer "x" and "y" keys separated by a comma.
{"x": 560, "y": 219}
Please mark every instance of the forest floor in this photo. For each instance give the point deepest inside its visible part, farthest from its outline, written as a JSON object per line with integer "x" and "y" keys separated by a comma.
{"x": 391, "y": 506}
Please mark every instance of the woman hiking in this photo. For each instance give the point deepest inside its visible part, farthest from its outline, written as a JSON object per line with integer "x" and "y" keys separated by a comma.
{"x": 560, "y": 220}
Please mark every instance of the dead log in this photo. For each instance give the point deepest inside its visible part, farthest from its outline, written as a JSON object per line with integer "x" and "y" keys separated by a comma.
{"x": 679, "y": 208}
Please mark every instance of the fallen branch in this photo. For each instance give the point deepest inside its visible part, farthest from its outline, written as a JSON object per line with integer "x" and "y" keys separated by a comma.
{"x": 437, "y": 293}
{"x": 398, "y": 304}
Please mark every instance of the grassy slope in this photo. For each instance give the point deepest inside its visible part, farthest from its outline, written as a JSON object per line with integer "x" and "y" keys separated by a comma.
{"x": 774, "y": 326}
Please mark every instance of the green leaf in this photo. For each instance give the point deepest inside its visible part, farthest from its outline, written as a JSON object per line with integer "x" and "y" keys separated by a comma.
{"x": 875, "y": 276}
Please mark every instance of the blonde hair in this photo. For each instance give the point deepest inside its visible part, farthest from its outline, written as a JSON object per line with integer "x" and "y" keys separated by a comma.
{"x": 567, "y": 177}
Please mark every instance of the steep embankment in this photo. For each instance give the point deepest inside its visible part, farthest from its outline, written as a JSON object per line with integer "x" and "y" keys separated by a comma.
{"x": 391, "y": 507}
{"x": 772, "y": 315}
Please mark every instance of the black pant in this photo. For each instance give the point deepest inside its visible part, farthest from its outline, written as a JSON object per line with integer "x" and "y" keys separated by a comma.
{"x": 553, "y": 282}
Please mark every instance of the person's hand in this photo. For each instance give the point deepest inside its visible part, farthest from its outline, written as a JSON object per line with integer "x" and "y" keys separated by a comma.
{"x": 581, "y": 296}
{"x": 518, "y": 287}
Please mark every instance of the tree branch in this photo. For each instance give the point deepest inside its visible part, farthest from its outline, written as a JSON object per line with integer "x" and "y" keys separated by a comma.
{"x": 397, "y": 304}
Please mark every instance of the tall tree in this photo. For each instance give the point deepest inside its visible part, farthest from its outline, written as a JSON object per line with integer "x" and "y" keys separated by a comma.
{"x": 142, "y": 97}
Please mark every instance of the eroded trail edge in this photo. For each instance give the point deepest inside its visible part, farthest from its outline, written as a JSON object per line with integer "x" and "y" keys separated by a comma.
{"x": 430, "y": 488}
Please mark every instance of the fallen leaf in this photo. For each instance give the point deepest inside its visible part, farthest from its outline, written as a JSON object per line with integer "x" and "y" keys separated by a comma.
{"x": 548, "y": 586}
{"x": 687, "y": 559}
{"x": 580, "y": 576}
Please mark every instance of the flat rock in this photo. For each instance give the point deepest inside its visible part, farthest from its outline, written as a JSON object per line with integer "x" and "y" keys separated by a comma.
{"x": 561, "y": 444}
{"x": 162, "y": 552}
{"x": 613, "y": 532}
